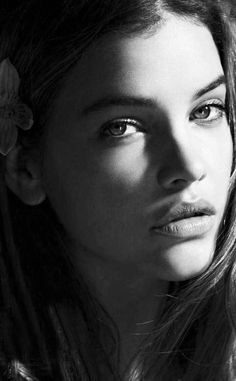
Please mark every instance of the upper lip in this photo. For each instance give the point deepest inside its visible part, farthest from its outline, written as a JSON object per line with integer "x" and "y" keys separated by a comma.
{"x": 183, "y": 210}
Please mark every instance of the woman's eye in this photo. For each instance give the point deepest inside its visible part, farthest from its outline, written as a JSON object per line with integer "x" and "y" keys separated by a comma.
{"x": 121, "y": 128}
{"x": 208, "y": 113}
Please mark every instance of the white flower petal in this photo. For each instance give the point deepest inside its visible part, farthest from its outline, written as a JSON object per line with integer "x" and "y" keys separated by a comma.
{"x": 23, "y": 116}
{"x": 8, "y": 135}
{"x": 9, "y": 80}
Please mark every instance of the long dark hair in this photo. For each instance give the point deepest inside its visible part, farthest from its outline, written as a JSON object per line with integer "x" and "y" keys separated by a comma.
{"x": 194, "y": 339}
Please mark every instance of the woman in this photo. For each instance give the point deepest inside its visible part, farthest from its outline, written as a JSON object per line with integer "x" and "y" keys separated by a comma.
{"x": 117, "y": 209}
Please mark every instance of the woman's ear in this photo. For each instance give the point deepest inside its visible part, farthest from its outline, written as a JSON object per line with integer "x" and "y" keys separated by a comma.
{"x": 23, "y": 176}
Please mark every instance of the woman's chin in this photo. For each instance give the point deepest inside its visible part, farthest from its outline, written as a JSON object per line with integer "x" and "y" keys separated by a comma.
{"x": 185, "y": 265}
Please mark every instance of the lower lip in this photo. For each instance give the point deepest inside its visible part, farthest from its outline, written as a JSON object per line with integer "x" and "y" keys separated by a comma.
{"x": 186, "y": 228}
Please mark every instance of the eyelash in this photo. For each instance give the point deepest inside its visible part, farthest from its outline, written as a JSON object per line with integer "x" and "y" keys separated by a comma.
{"x": 137, "y": 127}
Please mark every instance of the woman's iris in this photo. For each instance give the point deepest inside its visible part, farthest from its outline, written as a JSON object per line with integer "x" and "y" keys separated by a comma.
{"x": 117, "y": 128}
{"x": 202, "y": 112}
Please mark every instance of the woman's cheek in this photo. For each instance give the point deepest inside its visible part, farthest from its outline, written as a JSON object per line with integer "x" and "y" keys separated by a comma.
{"x": 126, "y": 164}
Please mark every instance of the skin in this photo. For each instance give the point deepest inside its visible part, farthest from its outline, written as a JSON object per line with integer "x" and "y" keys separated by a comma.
{"x": 108, "y": 191}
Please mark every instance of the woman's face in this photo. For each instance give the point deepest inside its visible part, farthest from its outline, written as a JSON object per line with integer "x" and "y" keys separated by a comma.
{"x": 139, "y": 152}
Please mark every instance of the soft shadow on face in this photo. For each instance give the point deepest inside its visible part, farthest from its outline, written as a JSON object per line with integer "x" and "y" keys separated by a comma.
{"x": 137, "y": 131}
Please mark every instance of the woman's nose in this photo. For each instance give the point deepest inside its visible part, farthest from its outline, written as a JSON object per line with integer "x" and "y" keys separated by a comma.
{"x": 182, "y": 165}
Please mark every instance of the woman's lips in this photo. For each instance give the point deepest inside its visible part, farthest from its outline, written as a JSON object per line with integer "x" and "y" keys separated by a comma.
{"x": 187, "y": 227}
{"x": 186, "y": 220}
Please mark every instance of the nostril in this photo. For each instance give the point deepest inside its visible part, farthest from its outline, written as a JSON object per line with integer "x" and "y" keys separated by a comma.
{"x": 171, "y": 178}
{"x": 177, "y": 184}
{"x": 202, "y": 177}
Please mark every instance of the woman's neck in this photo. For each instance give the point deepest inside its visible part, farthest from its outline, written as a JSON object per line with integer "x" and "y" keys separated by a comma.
{"x": 133, "y": 299}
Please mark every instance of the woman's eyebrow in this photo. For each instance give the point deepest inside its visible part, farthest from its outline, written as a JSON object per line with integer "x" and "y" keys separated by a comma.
{"x": 211, "y": 86}
{"x": 123, "y": 100}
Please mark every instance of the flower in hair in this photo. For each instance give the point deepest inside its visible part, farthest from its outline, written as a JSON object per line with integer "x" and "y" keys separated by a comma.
{"x": 13, "y": 113}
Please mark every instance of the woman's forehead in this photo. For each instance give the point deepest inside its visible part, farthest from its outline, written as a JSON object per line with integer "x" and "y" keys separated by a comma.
{"x": 180, "y": 58}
